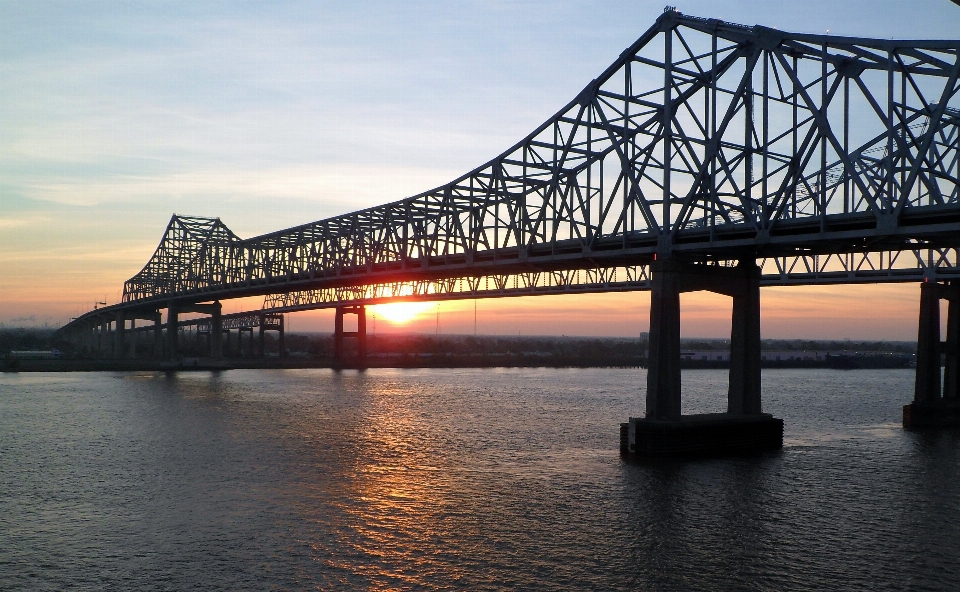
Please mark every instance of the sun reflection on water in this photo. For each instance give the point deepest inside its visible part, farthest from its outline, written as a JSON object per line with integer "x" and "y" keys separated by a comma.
{"x": 397, "y": 521}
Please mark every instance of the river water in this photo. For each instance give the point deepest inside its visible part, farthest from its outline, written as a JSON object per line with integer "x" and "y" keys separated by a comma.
{"x": 486, "y": 479}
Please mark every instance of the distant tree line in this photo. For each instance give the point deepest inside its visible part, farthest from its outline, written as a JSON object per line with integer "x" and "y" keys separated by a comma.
{"x": 16, "y": 339}
{"x": 470, "y": 350}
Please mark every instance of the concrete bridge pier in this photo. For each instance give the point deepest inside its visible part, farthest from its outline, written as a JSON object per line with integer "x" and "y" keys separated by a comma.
{"x": 130, "y": 337}
{"x": 158, "y": 336}
{"x": 240, "y": 333}
{"x": 281, "y": 344}
{"x": 271, "y": 322}
{"x": 951, "y": 347}
{"x": 120, "y": 336}
{"x": 173, "y": 327}
{"x": 101, "y": 330}
{"x": 216, "y": 326}
{"x": 743, "y": 395}
{"x": 936, "y": 404}
{"x": 216, "y": 332}
{"x": 341, "y": 358}
{"x": 664, "y": 431}
{"x": 86, "y": 340}
{"x": 132, "y": 352}
{"x": 261, "y": 342}
{"x": 215, "y": 311}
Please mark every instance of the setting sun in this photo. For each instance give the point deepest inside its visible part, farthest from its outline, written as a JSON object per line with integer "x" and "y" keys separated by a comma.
{"x": 400, "y": 312}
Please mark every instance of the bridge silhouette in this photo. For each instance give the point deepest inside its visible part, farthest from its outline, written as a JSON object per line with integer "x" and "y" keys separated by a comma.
{"x": 708, "y": 156}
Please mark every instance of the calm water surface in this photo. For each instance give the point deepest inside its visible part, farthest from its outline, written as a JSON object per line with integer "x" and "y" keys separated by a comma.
{"x": 460, "y": 479}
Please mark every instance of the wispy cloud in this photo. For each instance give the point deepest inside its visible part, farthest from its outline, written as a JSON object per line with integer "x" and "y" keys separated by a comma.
{"x": 7, "y": 222}
{"x": 334, "y": 189}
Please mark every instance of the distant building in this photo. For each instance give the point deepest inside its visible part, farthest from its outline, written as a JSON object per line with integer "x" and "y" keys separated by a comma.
{"x": 706, "y": 356}
{"x": 35, "y": 354}
{"x": 787, "y": 355}
{"x": 778, "y": 356}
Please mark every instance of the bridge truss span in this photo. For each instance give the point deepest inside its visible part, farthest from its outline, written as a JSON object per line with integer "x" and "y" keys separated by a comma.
{"x": 704, "y": 140}
{"x": 847, "y": 268}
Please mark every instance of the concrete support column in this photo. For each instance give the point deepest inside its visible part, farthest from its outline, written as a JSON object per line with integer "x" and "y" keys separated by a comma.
{"x": 339, "y": 351}
{"x": 216, "y": 331}
{"x": 663, "y": 360}
{"x": 157, "y": 336}
{"x": 361, "y": 335}
{"x": 173, "y": 328}
{"x": 120, "y": 341}
{"x": 951, "y": 373}
{"x": 262, "y": 347}
{"x": 743, "y": 396}
{"x": 280, "y": 340}
{"x": 927, "y": 387}
{"x": 133, "y": 341}
{"x": 338, "y": 336}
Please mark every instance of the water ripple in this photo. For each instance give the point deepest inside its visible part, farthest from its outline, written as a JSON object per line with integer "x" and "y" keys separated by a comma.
{"x": 460, "y": 479}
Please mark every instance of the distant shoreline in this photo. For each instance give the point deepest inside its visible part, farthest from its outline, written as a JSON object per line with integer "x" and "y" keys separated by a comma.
{"x": 514, "y": 361}
{"x": 23, "y": 350}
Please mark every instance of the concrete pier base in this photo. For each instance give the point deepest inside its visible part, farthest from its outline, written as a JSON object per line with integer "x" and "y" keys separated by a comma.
{"x": 665, "y": 432}
{"x": 944, "y": 413}
{"x": 936, "y": 403}
{"x": 341, "y": 358}
{"x": 710, "y": 434}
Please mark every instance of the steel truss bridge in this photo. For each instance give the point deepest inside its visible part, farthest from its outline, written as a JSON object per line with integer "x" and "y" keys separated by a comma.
{"x": 821, "y": 159}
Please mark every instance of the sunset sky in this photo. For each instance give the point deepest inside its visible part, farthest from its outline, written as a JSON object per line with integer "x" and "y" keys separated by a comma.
{"x": 115, "y": 115}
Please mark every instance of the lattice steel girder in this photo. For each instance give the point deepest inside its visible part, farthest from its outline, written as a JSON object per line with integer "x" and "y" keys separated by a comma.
{"x": 704, "y": 140}
{"x": 847, "y": 268}
{"x": 240, "y": 320}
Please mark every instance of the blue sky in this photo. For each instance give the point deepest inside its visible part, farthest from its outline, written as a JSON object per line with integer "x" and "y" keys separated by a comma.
{"x": 268, "y": 114}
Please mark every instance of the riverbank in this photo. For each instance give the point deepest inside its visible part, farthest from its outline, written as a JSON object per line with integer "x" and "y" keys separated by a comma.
{"x": 423, "y": 361}
{"x": 315, "y": 350}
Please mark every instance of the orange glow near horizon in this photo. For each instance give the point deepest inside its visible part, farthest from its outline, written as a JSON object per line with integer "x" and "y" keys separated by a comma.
{"x": 400, "y": 313}
{"x": 861, "y": 311}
